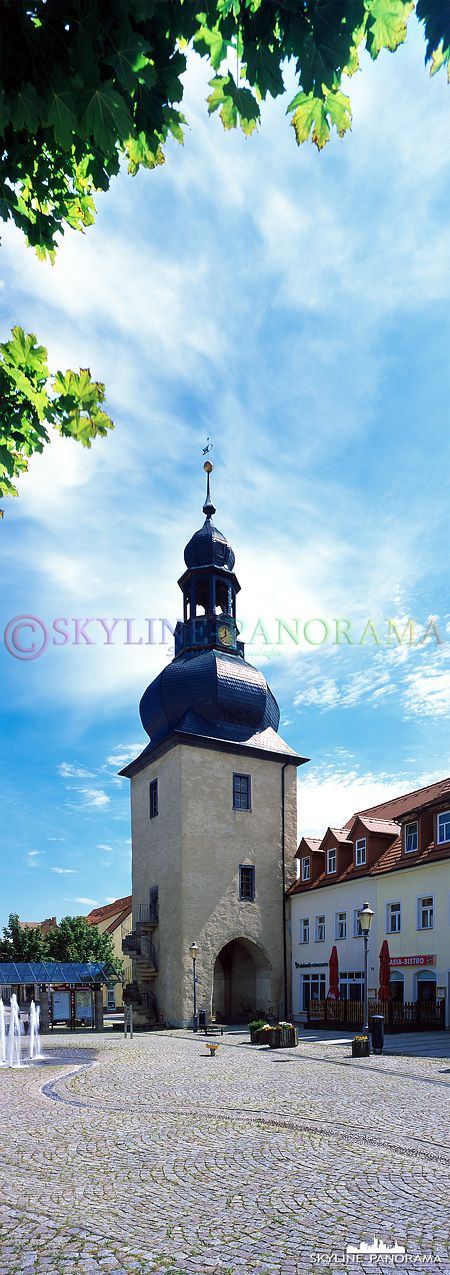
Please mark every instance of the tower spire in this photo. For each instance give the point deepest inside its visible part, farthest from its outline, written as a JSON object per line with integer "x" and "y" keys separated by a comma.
{"x": 208, "y": 508}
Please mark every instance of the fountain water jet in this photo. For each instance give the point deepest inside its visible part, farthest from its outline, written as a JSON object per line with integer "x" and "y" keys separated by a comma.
{"x": 34, "y": 1043}
{"x": 2, "y": 1034}
{"x": 14, "y": 1035}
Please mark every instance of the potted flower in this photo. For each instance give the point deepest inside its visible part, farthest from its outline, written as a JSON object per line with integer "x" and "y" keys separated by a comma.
{"x": 360, "y": 1047}
{"x": 285, "y": 1036}
{"x": 255, "y": 1027}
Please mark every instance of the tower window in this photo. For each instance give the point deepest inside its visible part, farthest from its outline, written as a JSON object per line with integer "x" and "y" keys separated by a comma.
{"x": 241, "y": 792}
{"x": 246, "y": 882}
{"x": 153, "y": 798}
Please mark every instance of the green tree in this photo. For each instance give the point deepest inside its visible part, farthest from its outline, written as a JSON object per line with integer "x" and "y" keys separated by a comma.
{"x": 31, "y": 399}
{"x": 21, "y": 945}
{"x": 75, "y": 940}
{"x": 85, "y": 82}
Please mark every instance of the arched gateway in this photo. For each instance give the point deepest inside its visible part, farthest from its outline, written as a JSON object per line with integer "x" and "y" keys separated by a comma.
{"x": 241, "y": 982}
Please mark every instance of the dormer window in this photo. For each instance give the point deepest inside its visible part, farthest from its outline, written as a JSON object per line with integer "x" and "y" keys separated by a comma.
{"x": 360, "y": 852}
{"x": 443, "y": 827}
{"x": 331, "y": 860}
{"x": 411, "y": 837}
{"x": 306, "y": 869}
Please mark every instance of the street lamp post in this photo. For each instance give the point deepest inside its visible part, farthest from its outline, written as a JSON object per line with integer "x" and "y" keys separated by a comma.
{"x": 194, "y": 953}
{"x": 365, "y": 918}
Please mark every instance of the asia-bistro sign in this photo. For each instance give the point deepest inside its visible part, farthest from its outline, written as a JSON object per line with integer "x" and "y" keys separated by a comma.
{"x": 411, "y": 960}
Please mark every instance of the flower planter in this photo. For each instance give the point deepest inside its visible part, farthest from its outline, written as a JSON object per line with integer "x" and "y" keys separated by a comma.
{"x": 262, "y": 1036}
{"x": 282, "y": 1037}
{"x": 360, "y": 1048}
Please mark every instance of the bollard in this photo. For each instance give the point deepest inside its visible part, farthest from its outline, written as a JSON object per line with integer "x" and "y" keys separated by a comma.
{"x": 377, "y": 1027}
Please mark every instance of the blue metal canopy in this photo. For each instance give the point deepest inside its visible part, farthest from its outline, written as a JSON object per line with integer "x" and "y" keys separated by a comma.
{"x": 55, "y": 972}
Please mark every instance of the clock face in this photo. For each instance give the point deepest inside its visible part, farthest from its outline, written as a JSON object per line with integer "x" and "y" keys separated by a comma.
{"x": 225, "y": 635}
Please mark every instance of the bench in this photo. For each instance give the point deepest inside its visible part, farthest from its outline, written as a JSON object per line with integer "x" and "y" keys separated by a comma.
{"x": 212, "y": 1029}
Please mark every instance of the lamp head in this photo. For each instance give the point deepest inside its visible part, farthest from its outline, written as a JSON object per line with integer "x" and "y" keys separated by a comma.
{"x": 193, "y": 950}
{"x": 365, "y": 917}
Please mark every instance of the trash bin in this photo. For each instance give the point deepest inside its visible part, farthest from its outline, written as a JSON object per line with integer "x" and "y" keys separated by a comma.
{"x": 202, "y": 1018}
{"x": 377, "y": 1033}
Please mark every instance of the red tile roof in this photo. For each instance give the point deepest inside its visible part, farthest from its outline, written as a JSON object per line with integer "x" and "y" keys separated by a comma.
{"x": 310, "y": 843}
{"x": 118, "y": 911}
{"x": 409, "y": 802}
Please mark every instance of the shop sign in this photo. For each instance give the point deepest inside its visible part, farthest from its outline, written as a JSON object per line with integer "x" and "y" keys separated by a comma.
{"x": 412, "y": 960}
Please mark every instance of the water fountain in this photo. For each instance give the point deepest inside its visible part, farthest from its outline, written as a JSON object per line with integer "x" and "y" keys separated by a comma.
{"x": 11, "y": 1041}
{"x": 34, "y": 1043}
{"x": 14, "y": 1049}
{"x": 2, "y": 1034}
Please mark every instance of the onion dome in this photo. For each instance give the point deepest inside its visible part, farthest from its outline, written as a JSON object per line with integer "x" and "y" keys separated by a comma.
{"x": 208, "y": 547}
{"x": 209, "y": 693}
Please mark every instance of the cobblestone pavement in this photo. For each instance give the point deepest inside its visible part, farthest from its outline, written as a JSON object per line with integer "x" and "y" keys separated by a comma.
{"x": 149, "y": 1155}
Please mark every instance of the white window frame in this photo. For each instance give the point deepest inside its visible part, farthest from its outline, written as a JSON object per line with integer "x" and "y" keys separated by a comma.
{"x": 360, "y": 844}
{"x": 303, "y": 924}
{"x": 320, "y": 923}
{"x": 306, "y": 868}
{"x": 422, "y": 908}
{"x": 340, "y": 920}
{"x": 332, "y": 859}
{"x": 394, "y": 903}
{"x": 444, "y": 814}
{"x": 357, "y": 931}
{"x": 414, "y": 824}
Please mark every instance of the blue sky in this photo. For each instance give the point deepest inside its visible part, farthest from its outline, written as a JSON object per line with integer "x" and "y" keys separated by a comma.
{"x": 295, "y": 308}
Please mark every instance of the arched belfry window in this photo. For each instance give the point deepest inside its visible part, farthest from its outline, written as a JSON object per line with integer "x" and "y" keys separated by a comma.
{"x": 202, "y": 597}
{"x": 222, "y": 598}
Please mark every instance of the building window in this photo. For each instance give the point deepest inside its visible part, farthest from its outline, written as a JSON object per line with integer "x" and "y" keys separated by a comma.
{"x": 360, "y": 852}
{"x": 312, "y": 989}
{"x": 241, "y": 792}
{"x": 331, "y": 860}
{"x": 153, "y": 798}
{"x": 304, "y": 930}
{"x": 305, "y": 869}
{"x": 357, "y": 931}
{"x": 425, "y": 913}
{"x": 246, "y": 882}
{"x": 393, "y": 918}
{"x": 443, "y": 827}
{"x": 319, "y": 929}
{"x": 340, "y": 925}
{"x": 154, "y": 903}
{"x": 351, "y": 985}
{"x": 411, "y": 837}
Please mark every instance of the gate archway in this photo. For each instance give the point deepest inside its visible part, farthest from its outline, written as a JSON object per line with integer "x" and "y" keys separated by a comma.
{"x": 241, "y": 982}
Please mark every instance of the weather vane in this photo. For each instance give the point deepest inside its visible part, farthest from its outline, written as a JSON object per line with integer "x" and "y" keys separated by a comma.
{"x": 208, "y": 448}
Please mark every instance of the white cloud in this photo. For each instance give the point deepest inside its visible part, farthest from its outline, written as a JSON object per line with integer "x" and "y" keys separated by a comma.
{"x": 74, "y": 772}
{"x": 31, "y": 852}
{"x": 93, "y": 797}
{"x": 100, "y": 847}
{"x": 64, "y": 871}
{"x": 427, "y": 693}
{"x": 331, "y": 792}
{"x": 125, "y": 753}
{"x": 89, "y": 903}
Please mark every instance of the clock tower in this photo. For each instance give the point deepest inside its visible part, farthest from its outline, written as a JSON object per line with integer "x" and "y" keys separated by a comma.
{"x": 214, "y": 814}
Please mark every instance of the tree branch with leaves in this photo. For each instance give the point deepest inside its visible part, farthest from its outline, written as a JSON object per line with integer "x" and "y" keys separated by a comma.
{"x": 85, "y": 82}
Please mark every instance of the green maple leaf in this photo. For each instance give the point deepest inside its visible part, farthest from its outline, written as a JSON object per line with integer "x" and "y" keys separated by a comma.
{"x": 106, "y": 118}
{"x": 440, "y": 57}
{"x": 27, "y": 108}
{"x": 62, "y": 116}
{"x": 314, "y": 114}
{"x": 210, "y": 43}
{"x": 263, "y": 68}
{"x": 387, "y": 24}
{"x": 130, "y": 57}
{"x": 235, "y": 104}
{"x": 140, "y": 152}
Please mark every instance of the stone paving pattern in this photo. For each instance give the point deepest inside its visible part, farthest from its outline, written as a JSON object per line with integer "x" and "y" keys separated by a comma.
{"x": 149, "y": 1155}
